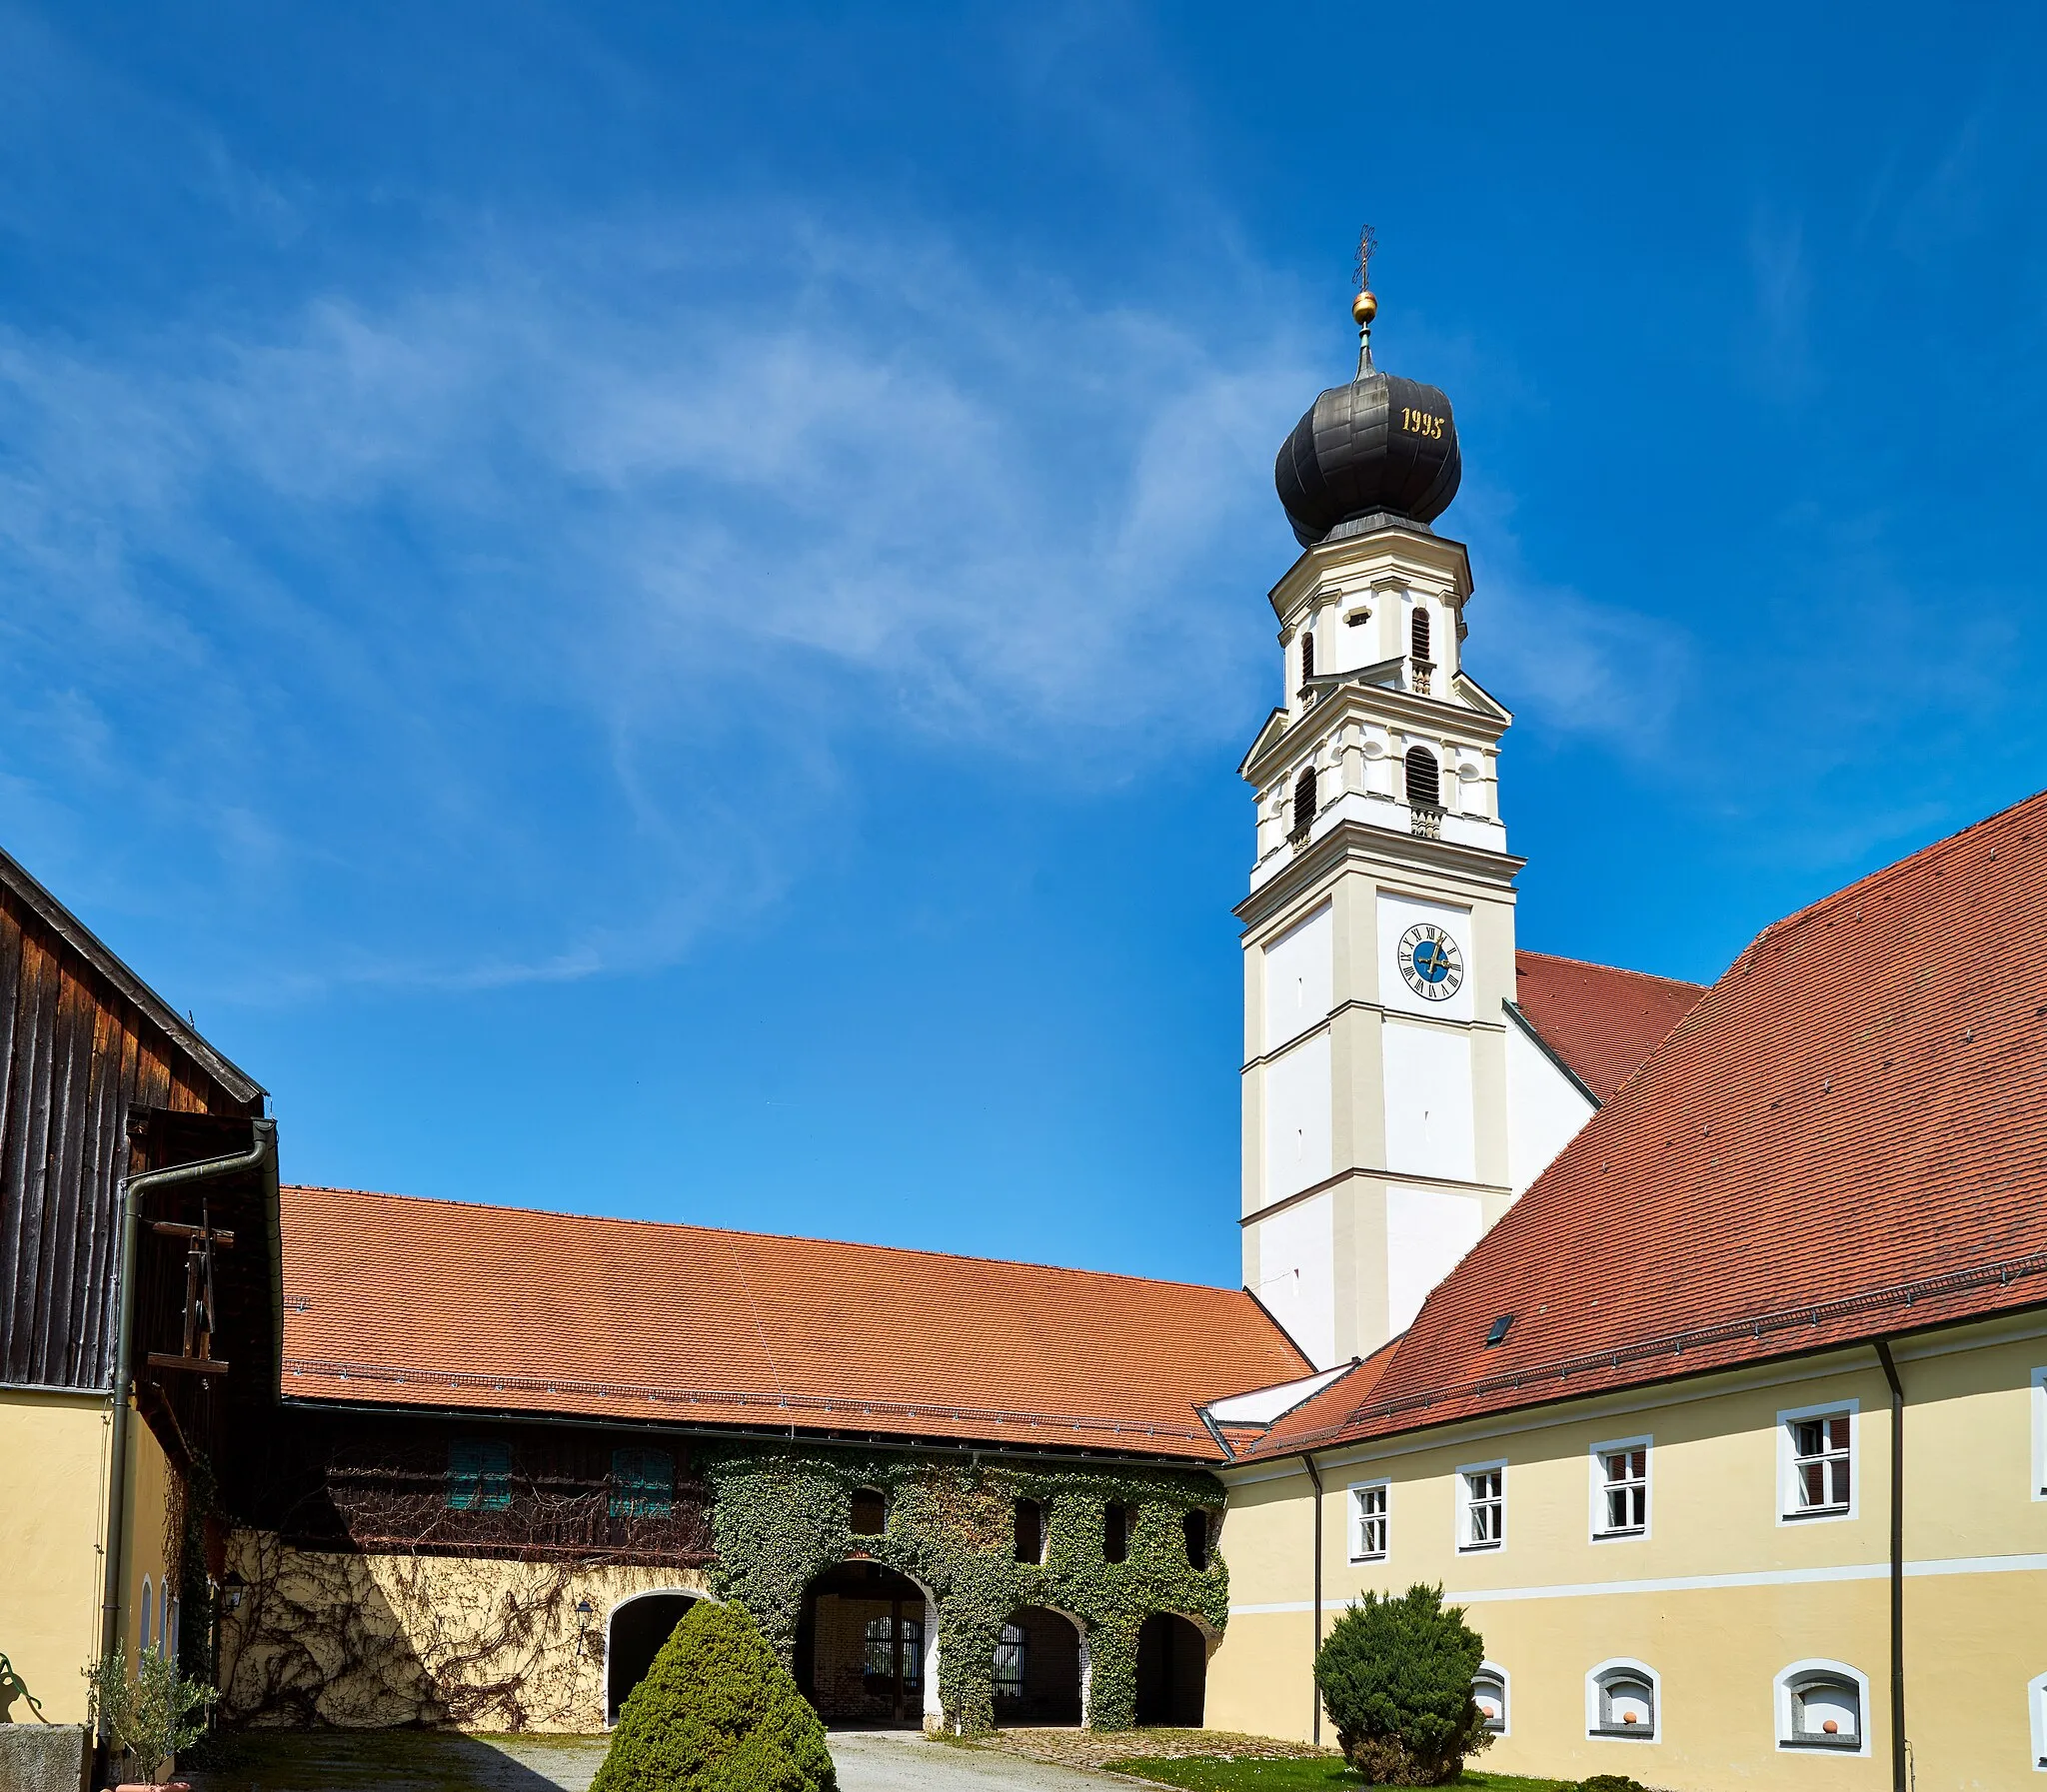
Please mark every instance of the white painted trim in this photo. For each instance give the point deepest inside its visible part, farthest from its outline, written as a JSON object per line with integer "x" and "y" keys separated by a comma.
{"x": 2036, "y": 1713}
{"x": 1462, "y": 1529}
{"x": 1596, "y": 1471}
{"x": 2039, "y": 1412}
{"x": 1595, "y": 1680}
{"x": 1355, "y": 1519}
{"x": 1781, "y": 1694}
{"x": 1506, "y": 1696}
{"x": 1788, "y": 1513}
{"x": 1936, "y": 1567}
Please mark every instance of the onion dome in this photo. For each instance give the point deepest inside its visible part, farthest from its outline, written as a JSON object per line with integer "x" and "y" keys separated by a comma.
{"x": 1381, "y": 445}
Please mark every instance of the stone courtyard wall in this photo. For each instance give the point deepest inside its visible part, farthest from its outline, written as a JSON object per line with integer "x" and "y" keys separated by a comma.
{"x": 375, "y": 1641}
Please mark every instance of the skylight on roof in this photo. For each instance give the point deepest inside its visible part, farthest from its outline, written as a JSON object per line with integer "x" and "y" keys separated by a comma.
{"x": 1500, "y": 1329}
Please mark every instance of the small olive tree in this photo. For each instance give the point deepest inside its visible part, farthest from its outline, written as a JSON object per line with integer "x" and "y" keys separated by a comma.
{"x": 152, "y": 1715}
{"x": 1395, "y": 1674}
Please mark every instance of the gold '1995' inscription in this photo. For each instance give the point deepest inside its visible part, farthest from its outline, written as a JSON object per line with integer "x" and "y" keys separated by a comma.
{"x": 1421, "y": 422}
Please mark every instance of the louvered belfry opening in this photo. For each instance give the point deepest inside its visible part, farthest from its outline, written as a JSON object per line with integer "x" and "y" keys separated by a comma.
{"x": 1307, "y": 655}
{"x": 1425, "y": 784}
{"x": 1303, "y": 805}
{"x": 1417, "y": 634}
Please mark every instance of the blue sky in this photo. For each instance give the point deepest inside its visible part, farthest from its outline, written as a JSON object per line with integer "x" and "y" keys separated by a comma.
{"x": 652, "y": 610}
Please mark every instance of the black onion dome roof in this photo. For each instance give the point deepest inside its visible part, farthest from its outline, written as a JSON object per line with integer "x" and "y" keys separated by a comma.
{"x": 1379, "y": 443}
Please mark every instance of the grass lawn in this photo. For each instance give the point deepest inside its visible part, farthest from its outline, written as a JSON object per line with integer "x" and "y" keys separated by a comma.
{"x": 1220, "y": 1773}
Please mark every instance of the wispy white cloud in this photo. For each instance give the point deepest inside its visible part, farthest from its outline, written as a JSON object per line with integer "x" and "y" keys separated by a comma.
{"x": 684, "y": 503}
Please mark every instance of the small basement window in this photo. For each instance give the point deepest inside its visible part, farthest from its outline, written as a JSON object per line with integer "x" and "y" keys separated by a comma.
{"x": 1624, "y": 1702}
{"x": 1195, "y": 1525}
{"x": 1030, "y": 1532}
{"x": 643, "y": 1483}
{"x": 1489, "y": 1694}
{"x": 1821, "y": 1708}
{"x": 870, "y": 1514}
{"x": 1115, "y": 1532}
{"x": 479, "y": 1474}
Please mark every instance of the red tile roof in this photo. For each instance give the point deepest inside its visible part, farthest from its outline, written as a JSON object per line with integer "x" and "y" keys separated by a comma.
{"x": 1846, "y": 1137}
{"x": 1602, "y": 1021}
{"x": 390, "y": 1299}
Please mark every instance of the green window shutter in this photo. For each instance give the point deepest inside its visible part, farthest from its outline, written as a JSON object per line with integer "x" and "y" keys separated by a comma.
{"x": 479, "y": 1474}
{"x": 643, "y": 1483}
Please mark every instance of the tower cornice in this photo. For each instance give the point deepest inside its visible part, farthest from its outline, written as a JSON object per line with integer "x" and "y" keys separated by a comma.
{"x": 1393, "y": 545}
{"x": 1450, "y": 868}
{"x": 1351, "y": 701}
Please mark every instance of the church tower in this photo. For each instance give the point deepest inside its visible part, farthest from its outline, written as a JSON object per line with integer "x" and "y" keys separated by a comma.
{"x": 1380, "y": 930}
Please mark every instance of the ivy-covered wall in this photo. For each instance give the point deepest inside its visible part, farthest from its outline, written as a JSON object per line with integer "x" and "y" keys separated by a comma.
{"x": 782, "y": 1516}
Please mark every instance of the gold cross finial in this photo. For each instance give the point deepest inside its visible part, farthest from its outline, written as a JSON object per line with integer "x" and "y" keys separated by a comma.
{"x": 1364, "y": 307}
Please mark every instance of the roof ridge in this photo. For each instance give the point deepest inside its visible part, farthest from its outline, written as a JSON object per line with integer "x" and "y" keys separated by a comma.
{"x": 1649, "y": 976}
{"x": 733, "y": 1232}
{"x": 1934, "y": 849}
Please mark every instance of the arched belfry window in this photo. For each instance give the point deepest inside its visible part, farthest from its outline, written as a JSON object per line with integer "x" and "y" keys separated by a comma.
{"x": 1303, "y": 805}
{"x": 1308, "y": 655}
{"x": 1425, "y": 782}
{"x": 1417, "y": 633}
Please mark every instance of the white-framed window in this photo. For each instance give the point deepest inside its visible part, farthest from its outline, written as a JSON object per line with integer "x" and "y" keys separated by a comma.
{"x": 170, "y": 1629}
{"x": 1489, "y": 1693}
{"x": 1824, "y": 1706}
{"x": 1624, "y": 1702}
{"x": 2039, "y": 1400}
{"x": 148, "y": 1614}
{"x": 1482, "y": 1506}
{"x": 1817, "y": 1477}
{"x": 1369, "y": 1520}
{"x": 2036, "y": 1718}
{"x": 1621, "y": 1489}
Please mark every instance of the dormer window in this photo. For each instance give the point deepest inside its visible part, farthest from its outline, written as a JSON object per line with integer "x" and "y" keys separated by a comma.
{"x": 1424, "y": 782}
{"x": 1303, "y": 805}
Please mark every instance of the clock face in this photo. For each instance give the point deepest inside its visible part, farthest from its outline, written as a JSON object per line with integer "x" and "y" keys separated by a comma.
{"x": 1430, "y": 962}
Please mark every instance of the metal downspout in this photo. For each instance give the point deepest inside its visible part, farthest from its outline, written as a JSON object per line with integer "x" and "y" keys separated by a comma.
{"x": 1900, "y": 1765}
{"x": 129, "y": 1191}
{"x": 1307, "y": 1461}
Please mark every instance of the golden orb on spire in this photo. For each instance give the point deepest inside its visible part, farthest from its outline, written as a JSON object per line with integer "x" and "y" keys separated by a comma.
{"x": 1364, "y": 308}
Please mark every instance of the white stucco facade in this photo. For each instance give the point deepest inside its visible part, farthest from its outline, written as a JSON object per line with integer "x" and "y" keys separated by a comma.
{"x": 1393, "y": 1106}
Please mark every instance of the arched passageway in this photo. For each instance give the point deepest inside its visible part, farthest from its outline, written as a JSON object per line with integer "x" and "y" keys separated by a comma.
{"x": 1173, "y": 1672}
{"x": 639, "y": 1627}
{"x": 1038, "y": 1669}
{"x": 864, "y": 1652}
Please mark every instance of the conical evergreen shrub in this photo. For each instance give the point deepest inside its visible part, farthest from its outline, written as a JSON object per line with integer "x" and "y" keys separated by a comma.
{"x": 716, "y": 1713}
{"x": 1395, "y": 1674}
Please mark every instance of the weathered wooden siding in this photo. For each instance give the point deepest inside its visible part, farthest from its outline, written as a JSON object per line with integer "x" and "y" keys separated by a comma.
{"x": 79, "y": 1047}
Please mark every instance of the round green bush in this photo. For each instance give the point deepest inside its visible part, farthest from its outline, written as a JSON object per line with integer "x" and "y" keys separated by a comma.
{"x": 716, "y": 1713}
{"x": 1395, "y": 1675}
{"x": 1608, "y": 1782}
